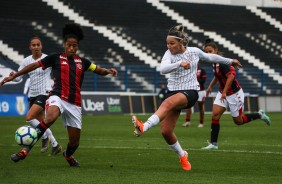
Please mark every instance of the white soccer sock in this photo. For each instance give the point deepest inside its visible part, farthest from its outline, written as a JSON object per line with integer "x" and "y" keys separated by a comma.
{"x": 177, "y": 148}
{"x": 152, "y": 121}
{"x": 49, "y": 134}
{"x": 33, "y": 123}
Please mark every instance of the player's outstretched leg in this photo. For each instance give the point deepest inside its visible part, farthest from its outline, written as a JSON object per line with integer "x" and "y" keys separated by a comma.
{"x": 264, "y": 117}
{"x": 19, "y": 156}
{"x": 184, "y": 161}
{"x": 138, "y": 126}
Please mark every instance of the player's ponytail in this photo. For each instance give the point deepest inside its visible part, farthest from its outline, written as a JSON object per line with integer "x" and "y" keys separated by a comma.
{"x": 179, "y": 33}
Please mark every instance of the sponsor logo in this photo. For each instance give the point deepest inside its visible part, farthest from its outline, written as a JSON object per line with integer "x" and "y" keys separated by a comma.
{"x": 113, "y": 101}
{"x": 113, "y": 104}
{"x": 77, "y": 60}
{"x": 62, "y": 57}
{"x": 90, "y": 105}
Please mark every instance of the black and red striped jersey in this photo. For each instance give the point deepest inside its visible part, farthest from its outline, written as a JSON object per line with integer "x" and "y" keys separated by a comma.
{"x": 68, "y": 74}
{"x": 201, "y": 77}
{"x": 221, "y": 72}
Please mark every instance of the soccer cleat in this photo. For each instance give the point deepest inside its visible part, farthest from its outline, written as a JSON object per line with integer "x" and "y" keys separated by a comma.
{"x": 45, "y": 143}
{"x": 19, "y": 156}
{"x": 185, "y": 163}
{"x": 138, "y": 126}
{"x": 56, "y": 150}
{"x": 71, "y": 160}
{"x": 264, "y": 117}
{"x": 200, "y": 125}
{"x": 210, "y": 147}
{"x": 186, "y": 124}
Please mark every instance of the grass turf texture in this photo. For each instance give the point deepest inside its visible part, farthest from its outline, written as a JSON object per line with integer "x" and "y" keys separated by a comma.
{"x": 109, "y": 153}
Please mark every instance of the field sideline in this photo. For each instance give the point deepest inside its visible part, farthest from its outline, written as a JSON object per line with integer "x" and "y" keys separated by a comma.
{"x": 109, "y": 153}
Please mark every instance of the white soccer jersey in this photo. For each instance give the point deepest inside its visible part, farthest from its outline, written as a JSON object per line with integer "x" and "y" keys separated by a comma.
{"x": 182, "y": 79}
{"x": 40, "y": 80}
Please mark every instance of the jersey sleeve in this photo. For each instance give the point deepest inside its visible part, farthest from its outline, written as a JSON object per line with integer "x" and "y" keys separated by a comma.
{"x": 48, "y": 61}
{"x": 213, "y": 58}
{"x": 23, "y": 64}
{"x": 167, "y": 65}
{"x": 88, "y": 65}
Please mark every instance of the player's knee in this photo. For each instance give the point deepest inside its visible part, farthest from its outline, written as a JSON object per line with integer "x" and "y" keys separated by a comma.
{"x": 166, "y": 106}
{"x": 50, "y": 119}
{"x": 29, "y": 117}
{"x": 216, "y": 116}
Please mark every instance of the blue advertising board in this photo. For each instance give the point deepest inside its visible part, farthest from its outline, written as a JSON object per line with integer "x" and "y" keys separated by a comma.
{"x": 13, "y": 105}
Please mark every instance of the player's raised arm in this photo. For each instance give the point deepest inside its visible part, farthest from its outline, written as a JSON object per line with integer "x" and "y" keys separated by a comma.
{"x": 105, "y": 71}
{"x": 102, "y": 71}
{"x": 25, "y": 70}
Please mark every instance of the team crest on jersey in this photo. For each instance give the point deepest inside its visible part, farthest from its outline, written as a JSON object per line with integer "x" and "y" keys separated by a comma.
{"x": 79, "y": 65}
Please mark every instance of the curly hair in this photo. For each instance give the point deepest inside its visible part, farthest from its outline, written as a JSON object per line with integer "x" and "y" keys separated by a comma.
{"x": 72, "y": 30}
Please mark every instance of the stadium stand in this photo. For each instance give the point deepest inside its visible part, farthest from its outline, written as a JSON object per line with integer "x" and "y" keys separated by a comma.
{"x": 145, "y": 27}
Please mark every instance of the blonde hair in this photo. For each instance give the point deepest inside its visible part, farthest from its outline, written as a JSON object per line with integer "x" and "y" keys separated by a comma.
{"x": 179, "y": 33}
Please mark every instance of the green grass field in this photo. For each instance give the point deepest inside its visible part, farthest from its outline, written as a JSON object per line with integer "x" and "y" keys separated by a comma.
{"x": 109, "y": 153}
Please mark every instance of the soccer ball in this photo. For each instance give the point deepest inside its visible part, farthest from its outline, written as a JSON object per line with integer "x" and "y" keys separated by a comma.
{"x": 26, "y": 136}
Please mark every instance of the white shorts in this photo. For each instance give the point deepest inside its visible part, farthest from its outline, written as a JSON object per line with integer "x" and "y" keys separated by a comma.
{"x": 202, "y": 96}
{"x": 235, "y": 102}
{"x": 71, "y": 114}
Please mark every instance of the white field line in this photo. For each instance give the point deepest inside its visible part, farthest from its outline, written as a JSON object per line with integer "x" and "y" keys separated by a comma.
{"x": 188, "y": 149}
{"x": 159, "y": 148}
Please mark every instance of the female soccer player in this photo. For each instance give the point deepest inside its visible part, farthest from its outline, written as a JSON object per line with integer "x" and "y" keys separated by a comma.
{"x": 230, "y": 95}
{"x": 39, "y": 87}
{"x": 65, "y": 98}
{"x": 181, "y": 62}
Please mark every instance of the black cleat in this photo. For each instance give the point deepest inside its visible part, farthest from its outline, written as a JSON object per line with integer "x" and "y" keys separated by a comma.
{"x": 18, "y": 156}
{"x": 71, "y": 160}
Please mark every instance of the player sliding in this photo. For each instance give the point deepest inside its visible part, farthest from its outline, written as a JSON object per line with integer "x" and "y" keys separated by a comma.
{"x": 181, "y": 63}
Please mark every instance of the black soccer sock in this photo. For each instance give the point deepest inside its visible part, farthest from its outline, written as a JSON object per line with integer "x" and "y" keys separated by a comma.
{"x": 40, "y": 129}
{"x": 70, "y": 151}
{"x": 250, "y": 117}
{"x": 215, "y": 127}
